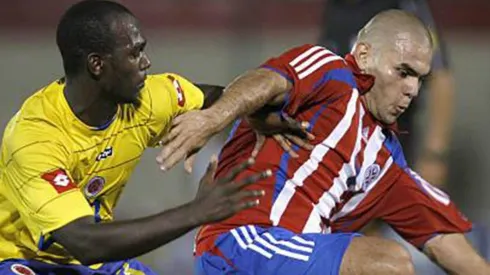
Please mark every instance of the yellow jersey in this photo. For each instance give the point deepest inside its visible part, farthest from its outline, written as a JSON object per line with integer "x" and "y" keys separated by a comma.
{"x": 55, "y": 169}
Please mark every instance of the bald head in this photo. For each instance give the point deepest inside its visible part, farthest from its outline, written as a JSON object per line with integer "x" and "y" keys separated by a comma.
{"x": 391, "y": 27}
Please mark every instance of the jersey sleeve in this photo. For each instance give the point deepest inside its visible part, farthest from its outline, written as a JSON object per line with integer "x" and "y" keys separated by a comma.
{"x": 37, "y": 181}
{"x": 171, "y": 95}
{"x": 308, "y": 68}
{"x": 419, "y": 211}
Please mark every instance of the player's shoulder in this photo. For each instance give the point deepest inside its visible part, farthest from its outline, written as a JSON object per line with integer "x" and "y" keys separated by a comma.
{"x": 310, "y": 57}
{"x": 46, "y": 104}
{"x": 40, "y": 118}
{"x": 168, "y": 92}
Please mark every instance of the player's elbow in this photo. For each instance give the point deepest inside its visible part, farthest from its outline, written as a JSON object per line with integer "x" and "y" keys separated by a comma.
{"x": 87, "y": 252}
{"x": 87, "y": 258}
{"x": 79, "y": 240}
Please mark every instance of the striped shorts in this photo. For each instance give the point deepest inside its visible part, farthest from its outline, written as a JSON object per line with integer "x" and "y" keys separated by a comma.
{"x": 255, "y": 250}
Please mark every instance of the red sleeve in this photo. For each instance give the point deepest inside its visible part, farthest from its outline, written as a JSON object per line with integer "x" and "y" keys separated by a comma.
{"x": 419, "y": 211}
{"x": 307, "y": 67}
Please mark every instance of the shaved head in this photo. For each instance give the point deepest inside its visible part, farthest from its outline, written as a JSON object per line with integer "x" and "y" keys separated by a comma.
{"x": 389, "y": 28}
{"x": 396, "y": 48}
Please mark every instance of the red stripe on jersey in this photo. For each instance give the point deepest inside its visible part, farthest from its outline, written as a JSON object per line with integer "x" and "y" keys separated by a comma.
{"x": 300, "y": 206}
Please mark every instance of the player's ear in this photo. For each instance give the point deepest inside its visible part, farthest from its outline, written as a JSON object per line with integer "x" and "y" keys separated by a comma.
{"x": 95, "y": 64}
{"x": 361, "y": 53}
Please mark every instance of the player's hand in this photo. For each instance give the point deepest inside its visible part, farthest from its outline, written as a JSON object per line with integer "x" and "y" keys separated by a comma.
{"x": 220, "y": 199}
{"x": 284, "y": 129}
{"x": 188, "y": 134}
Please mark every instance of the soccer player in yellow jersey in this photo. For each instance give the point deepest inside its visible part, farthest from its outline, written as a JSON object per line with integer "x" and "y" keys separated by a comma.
{"x": 70, "y": 149}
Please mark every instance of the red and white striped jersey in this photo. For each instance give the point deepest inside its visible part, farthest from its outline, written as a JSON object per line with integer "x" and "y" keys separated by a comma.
{"x": 354, "y": 155}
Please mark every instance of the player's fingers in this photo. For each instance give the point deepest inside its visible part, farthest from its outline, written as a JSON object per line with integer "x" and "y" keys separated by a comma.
{"x": 210, "y": 171}
{"x": 246, "y": 205}
{"x": 286, "y": 145}
{"x": 171, "y": 135}
{"x": 172, "y": 157}
{"x": 189, "y": 162}
{"x": 258, "y": 145}
{"x": 174, "y": 149}
{"x": 303, "y": 143}
{"x": 251, "y": 179}
{"x": 300, "y": 129}
{"x": 178, "y": 119}
{"x": 237, "y": 169}
{"x": 247, "y": 195}
{"x": 295, "y": 127}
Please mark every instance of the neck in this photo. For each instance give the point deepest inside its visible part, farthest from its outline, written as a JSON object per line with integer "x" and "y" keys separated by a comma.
{"x": 370, "y": 106}
{"x": 85, "y": 99}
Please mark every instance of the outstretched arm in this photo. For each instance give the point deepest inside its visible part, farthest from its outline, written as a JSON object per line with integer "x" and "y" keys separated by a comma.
{"x": 454, "y": 254}
{"x": 245, "y": 95}
{"x": 91, "y": 242}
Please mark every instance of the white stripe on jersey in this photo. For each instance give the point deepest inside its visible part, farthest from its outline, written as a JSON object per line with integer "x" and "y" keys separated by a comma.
{"x": 318, "y": 65}
{"x": 331, "y": 197}
{"x": 304, "y": 64}
{"x": 316, "y": 156}
{"x": 376, "y": 141}
{"x": 304, "y": 55}
{"x": 310, "y": 60}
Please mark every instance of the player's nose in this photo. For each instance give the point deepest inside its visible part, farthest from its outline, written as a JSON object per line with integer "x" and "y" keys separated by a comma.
{"x": 412, "y": 86}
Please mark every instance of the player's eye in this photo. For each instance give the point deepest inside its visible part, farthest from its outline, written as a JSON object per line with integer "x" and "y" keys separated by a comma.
{"x": 137, "y": 53}
{"x": 403, "y": 73}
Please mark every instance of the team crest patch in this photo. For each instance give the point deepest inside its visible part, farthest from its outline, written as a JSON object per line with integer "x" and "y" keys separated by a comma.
{"x": 21, "y": 269}
{"x": 94, "y": 186}
{"x": 371, "y": 174}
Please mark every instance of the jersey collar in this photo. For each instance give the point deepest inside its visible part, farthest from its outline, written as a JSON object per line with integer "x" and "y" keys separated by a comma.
{"x": 364, "y": 83}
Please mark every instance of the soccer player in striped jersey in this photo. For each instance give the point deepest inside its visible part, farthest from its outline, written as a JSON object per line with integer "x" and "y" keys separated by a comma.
{"x": 356, "y": 172}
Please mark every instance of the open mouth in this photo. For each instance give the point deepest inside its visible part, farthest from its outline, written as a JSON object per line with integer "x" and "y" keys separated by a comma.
{"x": 401, "y": 109}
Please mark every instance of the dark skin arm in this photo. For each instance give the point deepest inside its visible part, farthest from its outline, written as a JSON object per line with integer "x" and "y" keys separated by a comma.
{"x": 92, "y": 243}
{"x": 211, "y": 94}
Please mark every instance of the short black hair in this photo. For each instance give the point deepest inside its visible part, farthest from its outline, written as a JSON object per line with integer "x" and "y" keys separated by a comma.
{"x": 86, "y": 28}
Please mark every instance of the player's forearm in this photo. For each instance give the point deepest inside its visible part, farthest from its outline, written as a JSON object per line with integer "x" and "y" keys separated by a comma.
{"x": 96, "y": 243}
{"x": 211, "y": 94}
{"x": 247, "y": 94}
{"x": 454, "y": 254}
{"x": 441, "y": 101}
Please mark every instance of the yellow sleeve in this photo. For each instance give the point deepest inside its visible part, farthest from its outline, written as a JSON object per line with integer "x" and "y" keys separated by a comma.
{"x": 171, "y": 95}
{"x": 37, "y": 181}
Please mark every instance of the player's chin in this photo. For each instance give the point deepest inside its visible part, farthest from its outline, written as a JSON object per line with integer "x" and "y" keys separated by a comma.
{"x": 134, "y": 98}
{"x": 390, "y": 118}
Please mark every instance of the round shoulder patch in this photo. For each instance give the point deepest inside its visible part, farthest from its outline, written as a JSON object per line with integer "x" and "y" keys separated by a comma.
{"x": 21, "y": 269}
{"x": 94, "y": 186}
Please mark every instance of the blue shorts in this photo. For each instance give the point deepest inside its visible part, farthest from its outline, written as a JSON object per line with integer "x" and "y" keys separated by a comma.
{"x": 254, "y": 250}
{"x": 30, "y": 267}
